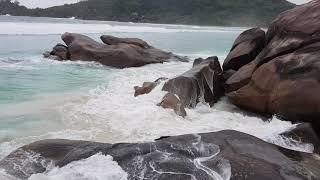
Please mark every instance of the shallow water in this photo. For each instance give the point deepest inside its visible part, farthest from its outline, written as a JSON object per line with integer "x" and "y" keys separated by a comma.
{"x": 42, "y": 99}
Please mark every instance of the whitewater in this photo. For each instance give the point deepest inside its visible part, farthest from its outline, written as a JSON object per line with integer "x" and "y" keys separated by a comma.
{"x": 44, "y": 99}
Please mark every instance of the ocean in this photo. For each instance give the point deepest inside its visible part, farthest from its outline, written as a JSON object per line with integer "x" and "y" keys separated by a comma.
{"x": 45, "y": 99}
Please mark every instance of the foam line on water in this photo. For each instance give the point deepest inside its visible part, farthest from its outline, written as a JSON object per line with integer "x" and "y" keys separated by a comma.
{"x": 19, "y": 28}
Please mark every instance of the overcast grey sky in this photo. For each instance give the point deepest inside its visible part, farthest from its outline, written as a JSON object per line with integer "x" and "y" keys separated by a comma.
{"x": 48, "y": 3}
{"x": 299, "y": 1}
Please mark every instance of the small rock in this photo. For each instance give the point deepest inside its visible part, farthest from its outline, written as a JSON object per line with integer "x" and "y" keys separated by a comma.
{"x": 147, "y": 87}
{"x": 171, "y": 101}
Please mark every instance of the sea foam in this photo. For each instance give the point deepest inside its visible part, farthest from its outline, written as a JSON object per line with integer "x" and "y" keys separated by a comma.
{"x": 20, "y": 28}
{"x": 110, "y": 113}
{"x": 96, "y": 167}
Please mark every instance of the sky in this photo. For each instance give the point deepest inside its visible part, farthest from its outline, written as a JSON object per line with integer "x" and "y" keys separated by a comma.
{"x": 49, "y": 3}
{"x": 298, "y": 1}
{"x": 45, "y": 3}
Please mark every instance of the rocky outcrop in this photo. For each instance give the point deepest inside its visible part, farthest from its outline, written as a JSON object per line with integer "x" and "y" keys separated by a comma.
{"x": 245, "y": 49}
{"x": 284, "y": 79}
{"x": 220, "y": 155}
{"x": 171, "y": 101}
{"x": 147, "y": 87}
{"x": 288, "y": 86}
{"x": 203, "y": 81}
{"x": 116, "y": 52}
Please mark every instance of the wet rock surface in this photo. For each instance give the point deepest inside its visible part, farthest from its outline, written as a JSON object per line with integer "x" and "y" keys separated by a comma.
{"x": 219, "y": 155}
{"x": 171, "y": 101}
{"x": 203, "y": 80}
{"x": 147, "y": 87}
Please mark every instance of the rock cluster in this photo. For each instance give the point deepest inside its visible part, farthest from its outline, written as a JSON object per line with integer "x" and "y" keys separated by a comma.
{"x": 284, "y": 78}
{"x": 273, "y": 73}
{"x": 115, "y": 52}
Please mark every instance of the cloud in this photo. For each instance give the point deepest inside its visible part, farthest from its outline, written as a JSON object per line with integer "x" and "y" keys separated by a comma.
{"x": 49, "y": 3}
{"x": 299, "y": 1}
{"x": 45, "y": 3}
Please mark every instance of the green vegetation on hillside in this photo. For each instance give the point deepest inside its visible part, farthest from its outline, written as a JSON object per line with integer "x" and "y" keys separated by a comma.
{"x": 199, "y": 12}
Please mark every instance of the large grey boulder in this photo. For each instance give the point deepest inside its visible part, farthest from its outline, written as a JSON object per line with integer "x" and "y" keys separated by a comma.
{"x": 219, "y": 155}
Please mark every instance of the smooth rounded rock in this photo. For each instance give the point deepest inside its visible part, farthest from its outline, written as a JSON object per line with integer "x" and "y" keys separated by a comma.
{"x": 118, "y": 53}
{"x": 245, "y": 49}
{"x": 285, "y": 77}
{"x": 224, "y": 155}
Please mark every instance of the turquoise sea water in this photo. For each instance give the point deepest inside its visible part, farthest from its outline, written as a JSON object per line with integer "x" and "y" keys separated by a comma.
{"x": 40, "y": 98}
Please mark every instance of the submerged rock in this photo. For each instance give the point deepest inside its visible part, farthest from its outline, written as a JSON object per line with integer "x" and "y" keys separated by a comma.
{"x": 204, "y": 80}
{"x": 147, "y": 87}
{"x": 116, "y": 52}
{"x": 284, "y": 79}
{"x": 245, "y": 49}
{"x": 61, "y": 51}
{"x": 219, "y": 155}
{"x": 48, "y": 55}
